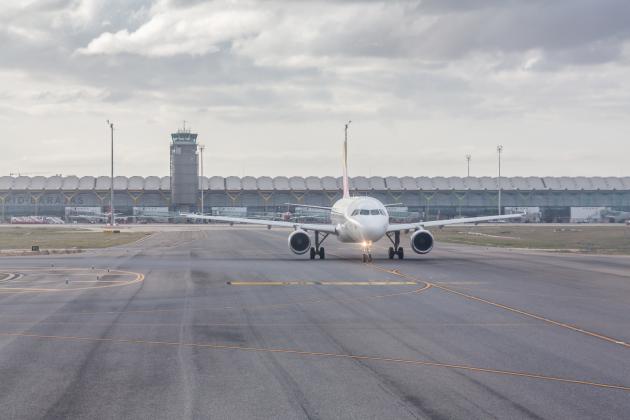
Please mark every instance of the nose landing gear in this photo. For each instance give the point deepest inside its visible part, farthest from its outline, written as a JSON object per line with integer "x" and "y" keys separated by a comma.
{"x": 396, "y": 250}
{"x": 367, "y": 252}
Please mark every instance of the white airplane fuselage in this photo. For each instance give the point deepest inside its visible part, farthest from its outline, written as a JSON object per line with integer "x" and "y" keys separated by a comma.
{"x": 359, "y": 219}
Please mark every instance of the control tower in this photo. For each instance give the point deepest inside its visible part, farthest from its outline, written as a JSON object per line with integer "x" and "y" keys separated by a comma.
{"x": 184, "y": 170}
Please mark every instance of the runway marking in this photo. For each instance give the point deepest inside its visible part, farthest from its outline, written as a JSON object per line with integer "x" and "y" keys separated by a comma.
{"x": 98, "y": 281}
{"x": 7, "y": 277}
{"x": 54, "y": 271}
{"x": 324, "y": 355}
{"x": 252, "y": 307}
{"x": 323, "y": 283}
{"x": 512, "y": 309}
{"x": 462, "y": 283}
{"x": 110, "y": 273}
{"x": 274, "y": 324}
{"x": 11, "y": 277}
{"x": 139, "y": 241}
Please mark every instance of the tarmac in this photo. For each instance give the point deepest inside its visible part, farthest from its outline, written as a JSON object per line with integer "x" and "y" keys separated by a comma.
{"x": 226, "y": 322}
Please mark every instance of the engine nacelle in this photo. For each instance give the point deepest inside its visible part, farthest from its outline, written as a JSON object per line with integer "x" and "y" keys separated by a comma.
{"x": 299, "y": 242}
{"x": 422, "y": 242}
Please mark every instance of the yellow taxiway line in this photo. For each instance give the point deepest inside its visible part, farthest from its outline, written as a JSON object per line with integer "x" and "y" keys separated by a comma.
{"x": 137, "y": 278}
{"x": 251, "y": 307}
{"x": 323, "y": 283}
{"x": 509, "y": 308}
{"x": 390, "y": 360}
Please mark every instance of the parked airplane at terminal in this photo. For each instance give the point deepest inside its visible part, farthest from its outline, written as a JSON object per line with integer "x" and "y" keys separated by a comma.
{"x": 97, "y": 217}
{"x": 360, "y": 220}
{"x": 614, "y": 216}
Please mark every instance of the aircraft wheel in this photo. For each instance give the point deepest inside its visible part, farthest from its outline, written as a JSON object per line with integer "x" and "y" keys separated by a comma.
{"x": 312, "y": 253}
{"x": 364, "y": 258}
{"x": 322, "y": 254}
{"x": 401, "y": 253}
{"x": 369, "y": 257}
{"x": 391, "y": 253}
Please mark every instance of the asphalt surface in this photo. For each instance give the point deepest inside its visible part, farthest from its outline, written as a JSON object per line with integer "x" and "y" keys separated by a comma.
{"x": 194, "y": 324}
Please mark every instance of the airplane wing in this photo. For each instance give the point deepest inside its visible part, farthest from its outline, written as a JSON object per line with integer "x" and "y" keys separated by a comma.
{"x": 308, "y": 206}
{"x": 294, "y": 225}
{"x": 408, "y": 226}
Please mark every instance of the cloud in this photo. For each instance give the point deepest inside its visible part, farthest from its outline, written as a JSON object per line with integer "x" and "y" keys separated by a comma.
{"x": 196, "y": 30}
{"x": 474, "y": 65}
{"x": 309, "y": 33}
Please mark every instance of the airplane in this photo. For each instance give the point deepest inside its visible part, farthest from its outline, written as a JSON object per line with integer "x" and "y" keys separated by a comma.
{"x": 361, "y": 220}
{"x": 615, "y": 216}
{"x": 97, "y": 217}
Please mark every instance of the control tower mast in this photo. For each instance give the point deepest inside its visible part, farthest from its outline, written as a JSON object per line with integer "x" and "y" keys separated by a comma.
{"x": 184, "y": 170}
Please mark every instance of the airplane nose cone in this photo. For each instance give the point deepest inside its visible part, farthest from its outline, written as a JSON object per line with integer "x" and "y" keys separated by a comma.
{"x": 373, "y": 231}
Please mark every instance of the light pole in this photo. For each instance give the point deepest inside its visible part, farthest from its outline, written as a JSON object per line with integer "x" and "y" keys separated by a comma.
{"x": 111, "y": 184}
{"x": 201, "y": 147}
{"x": 468, "y": 157}
{"x": 346, "y": 186}
{"x": 499, "y": 150}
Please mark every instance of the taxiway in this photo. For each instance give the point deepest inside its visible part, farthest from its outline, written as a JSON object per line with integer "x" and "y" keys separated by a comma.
{"x": 227, "y": 323}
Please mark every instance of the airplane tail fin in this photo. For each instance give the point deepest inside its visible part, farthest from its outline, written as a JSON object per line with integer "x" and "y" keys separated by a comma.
{"x": 346, "y": 183}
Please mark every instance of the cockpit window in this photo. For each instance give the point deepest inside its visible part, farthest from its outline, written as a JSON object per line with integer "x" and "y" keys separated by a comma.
{"x": 366, "y": 212}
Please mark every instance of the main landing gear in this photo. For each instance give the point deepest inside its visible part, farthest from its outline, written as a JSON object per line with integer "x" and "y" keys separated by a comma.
{"x": 396, "y": 249}
{"x": 318, "y": 249}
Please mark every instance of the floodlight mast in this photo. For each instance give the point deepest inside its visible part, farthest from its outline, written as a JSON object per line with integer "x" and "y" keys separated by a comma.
{"x": 468, "y": 158}
{"x": 201, "y": 147}
{"x": 111, "y": 184}
{"x": 499, "y": 151}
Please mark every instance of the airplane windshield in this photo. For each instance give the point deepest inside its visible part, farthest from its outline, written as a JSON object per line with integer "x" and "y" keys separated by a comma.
{"x": 365, "y": 212}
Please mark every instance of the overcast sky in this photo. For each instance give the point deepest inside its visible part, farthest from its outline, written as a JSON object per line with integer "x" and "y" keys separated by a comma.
{"x": 269, "y": 84}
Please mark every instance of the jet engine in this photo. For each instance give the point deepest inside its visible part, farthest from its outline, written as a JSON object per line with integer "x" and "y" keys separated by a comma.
{"x": 422, "y": 242}
{"x": 299, "y": 242}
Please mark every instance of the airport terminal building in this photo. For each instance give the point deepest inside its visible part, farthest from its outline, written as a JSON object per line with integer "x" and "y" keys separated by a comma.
{"x": 430, "y": 197}
{"x": 560, "y": 199}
